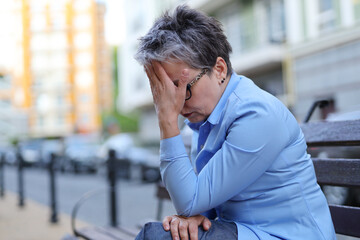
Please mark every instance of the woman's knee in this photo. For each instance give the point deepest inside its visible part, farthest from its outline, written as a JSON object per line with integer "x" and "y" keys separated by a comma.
{"x": 153, "y": 231}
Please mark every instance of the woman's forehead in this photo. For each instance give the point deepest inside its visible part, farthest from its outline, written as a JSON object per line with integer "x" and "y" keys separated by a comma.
{"x": 174, "y": 69}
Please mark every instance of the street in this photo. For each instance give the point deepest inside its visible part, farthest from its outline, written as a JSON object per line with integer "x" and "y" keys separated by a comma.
{"x": 136, "y": 200}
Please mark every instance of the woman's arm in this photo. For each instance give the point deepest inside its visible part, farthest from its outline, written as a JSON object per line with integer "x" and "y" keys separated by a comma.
{"x": 254, "y": 140}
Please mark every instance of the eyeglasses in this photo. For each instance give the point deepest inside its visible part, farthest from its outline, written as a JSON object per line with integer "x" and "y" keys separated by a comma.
{"x": 190, "y": 84}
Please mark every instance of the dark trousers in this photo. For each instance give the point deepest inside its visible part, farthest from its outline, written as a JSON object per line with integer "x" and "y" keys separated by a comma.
{"x": 219, "y": 231}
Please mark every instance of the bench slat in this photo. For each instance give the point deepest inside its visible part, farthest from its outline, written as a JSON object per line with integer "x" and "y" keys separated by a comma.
{"x": 338, "y": 172}
{"x": 346, "y": 220}
{"x": 340, "y": 133}
{"x": 104, "y": 233}
{"x": 91, "y": 233}
{"x": 118, "y": 233}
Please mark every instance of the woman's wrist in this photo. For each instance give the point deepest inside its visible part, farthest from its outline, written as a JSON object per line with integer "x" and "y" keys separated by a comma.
{"x": 168, "y": 127}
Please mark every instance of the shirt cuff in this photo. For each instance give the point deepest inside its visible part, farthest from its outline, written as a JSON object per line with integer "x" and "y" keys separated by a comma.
{"x": 172, "y": 148}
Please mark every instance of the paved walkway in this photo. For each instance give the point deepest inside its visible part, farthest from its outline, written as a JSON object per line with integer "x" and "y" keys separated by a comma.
{"x": 30, "y": 222}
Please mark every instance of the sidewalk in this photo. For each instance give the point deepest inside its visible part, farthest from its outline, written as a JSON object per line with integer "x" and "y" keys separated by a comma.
{"x": 31, "y": 222}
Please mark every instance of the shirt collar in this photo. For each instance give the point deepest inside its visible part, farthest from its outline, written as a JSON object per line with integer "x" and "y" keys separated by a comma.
{"x": 214, "y": 117}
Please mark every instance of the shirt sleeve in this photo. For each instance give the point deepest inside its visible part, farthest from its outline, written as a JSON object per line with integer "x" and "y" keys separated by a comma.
{"x": 253, "y": 142}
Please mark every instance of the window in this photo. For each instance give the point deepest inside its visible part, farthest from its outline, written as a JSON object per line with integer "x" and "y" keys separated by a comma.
{"x": 83, "y": 40}
{"x": 82, "y": 21}
{"x": 40, "y": 62}
{"x": 60, "y": 119}
{"x": 38, "y": 22}
{"x": 327, "y": 15}
{"x": 39, "y": 41}
{"x": 83, "y": 59}
{"x": 230, "y": 18}
{"x": 84, "y": 98}
{"x": 58, "y": 60}
{"x": 82, "y": 5}
{"x": 85, "y": 119}
{"x": 58, "y": 20}
{"x": 276, "y": 21}
{"x": 58, "y": 40}
{"x": 357, "y": 9}
{"x": 84, "y": 78}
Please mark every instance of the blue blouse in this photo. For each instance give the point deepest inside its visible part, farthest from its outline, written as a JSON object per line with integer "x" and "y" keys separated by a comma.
{"x": 251, "y": 168}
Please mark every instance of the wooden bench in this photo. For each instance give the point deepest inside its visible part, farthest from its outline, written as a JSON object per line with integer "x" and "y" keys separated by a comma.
{"x": 337, "y": 171}
{"x": 329, "y": 171}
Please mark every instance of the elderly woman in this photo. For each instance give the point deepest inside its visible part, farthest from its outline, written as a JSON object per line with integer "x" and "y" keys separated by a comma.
{"x": 250, "y": 176}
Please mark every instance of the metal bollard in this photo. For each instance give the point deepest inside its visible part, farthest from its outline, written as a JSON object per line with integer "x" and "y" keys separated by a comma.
{"x": 112, "y": 189}
{"x": 53, "y": 205}
{"x": 2, "y": 177}
{"x": 20, "y": 179}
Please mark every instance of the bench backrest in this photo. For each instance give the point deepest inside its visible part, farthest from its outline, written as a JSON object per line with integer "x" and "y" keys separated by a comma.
{"x": 339, "y": 171}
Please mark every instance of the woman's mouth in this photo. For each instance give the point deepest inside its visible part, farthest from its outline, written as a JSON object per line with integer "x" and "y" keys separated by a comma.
{"x": 187, "y": 115}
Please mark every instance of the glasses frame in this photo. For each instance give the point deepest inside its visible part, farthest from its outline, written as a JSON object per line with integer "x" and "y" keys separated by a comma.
{"x": 197, "y": 78}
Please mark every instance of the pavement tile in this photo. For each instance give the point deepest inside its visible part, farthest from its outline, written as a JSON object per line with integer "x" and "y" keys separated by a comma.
{"x": 31, "y": 222}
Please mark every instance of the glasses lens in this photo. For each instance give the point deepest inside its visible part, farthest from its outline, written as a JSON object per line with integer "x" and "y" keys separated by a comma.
{"x": 188, "y": 92}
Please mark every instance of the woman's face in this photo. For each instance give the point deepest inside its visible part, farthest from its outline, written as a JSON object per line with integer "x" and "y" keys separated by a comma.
{"x": 205, "y": 93}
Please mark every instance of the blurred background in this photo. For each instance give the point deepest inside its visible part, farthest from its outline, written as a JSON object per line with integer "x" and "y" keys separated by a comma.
{"x": 67, "y": 66}
{"x": 69, "y": 83}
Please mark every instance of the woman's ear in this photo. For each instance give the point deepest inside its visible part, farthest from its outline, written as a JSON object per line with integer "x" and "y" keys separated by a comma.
{"x": 220, "y": 68}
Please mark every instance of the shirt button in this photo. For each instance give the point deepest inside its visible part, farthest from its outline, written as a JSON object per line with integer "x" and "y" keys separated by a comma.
{"x": 201, "y": 146}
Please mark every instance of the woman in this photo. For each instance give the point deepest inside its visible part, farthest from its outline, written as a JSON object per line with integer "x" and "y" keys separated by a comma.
{"x": 250, "y": 177}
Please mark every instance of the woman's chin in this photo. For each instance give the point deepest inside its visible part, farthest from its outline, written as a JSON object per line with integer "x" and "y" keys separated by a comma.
{"x": 195, "y": 119}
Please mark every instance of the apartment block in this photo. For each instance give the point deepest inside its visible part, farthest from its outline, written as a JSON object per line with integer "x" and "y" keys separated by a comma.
{"x": 63, "y": 75}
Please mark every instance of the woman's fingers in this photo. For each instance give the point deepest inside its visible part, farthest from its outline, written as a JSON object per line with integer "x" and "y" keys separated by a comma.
{"x": 206, "y": 224}
{"x": 184, "y": 229}
{"x": 174, "y": 227}
{"x": 193, "y": 231}
{"x": 184, "y": 79}
{"x": 151, "y": 74}
{"x": 159, "y": 71}
{"x": 166, "y": 222}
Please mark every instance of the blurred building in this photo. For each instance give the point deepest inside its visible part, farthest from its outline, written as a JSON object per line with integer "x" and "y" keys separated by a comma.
{"x": 13, "y": 122}
{"x": 324, "y": 41}
{"x": 298, "y": 50}
{"x": 63, "y": 73}
{"x": 134, "y": 88}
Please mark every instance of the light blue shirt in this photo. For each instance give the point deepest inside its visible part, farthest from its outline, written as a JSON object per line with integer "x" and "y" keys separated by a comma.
{"x": 251, "y": 167}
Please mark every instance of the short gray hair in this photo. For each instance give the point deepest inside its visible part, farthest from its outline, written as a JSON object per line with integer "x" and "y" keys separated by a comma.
{"x": 187, "y": 35}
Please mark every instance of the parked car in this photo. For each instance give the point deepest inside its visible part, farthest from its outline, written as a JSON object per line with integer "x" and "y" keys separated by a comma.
{"x": 122, "y": 143}
{"x": 9, "y": 154}
{"x": 81, "y": 154}
{"x": 30, "y": 151}
{"x": 130, "y": 155}
{"x": 49, "y": 146}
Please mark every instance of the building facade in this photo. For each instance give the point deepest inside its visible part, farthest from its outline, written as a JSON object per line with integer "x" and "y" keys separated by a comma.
{"x": 325, "y": 54}
{"x": 63, "y": 75}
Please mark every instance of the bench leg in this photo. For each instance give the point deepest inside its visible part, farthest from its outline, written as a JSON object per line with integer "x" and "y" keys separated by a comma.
{"x": 159, "y": 210}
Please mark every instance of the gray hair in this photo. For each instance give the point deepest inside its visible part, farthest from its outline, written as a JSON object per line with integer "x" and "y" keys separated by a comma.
{"x": 188, "y": 36}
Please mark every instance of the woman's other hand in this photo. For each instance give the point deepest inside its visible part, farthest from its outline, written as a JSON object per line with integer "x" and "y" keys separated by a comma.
{"x": 185, "y": 227}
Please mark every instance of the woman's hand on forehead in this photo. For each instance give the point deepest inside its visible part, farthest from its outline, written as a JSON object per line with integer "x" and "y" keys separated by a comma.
{"x": 168, "y": 98}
